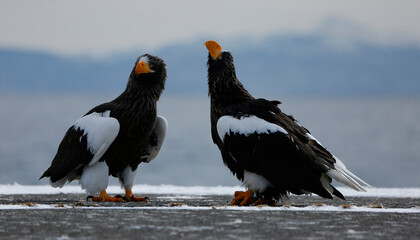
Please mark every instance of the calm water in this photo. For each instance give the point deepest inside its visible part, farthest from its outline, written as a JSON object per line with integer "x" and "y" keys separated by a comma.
{"x": 378, "y": 139}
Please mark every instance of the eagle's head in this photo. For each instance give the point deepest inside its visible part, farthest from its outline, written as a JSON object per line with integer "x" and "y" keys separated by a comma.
{"x": 218, "y": 59}
{"x": 149, "y": 73}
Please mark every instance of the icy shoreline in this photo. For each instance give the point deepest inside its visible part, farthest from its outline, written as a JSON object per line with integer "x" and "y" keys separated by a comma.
{"x": 15, "y": 188}
{"x": 323, "y": 208}
{"x": 198, "y": 213}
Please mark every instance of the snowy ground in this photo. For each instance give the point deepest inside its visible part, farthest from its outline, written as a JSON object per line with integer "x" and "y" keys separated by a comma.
{"x": 195, "y": 190}
{"x": 204, "y": 213}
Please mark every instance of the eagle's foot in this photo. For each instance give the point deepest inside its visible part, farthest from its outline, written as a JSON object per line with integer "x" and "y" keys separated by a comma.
{"x": 104, "y": 197}
{"x": 243, "y": 198}
{"x": 137, "y": 199}
{"x": 129, "y": 195}
{"x": 122, "y": 197}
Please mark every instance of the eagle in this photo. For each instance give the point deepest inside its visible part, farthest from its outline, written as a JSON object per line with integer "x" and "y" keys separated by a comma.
{"x": 113, "y": 138}
{"x": 266, "y": 149}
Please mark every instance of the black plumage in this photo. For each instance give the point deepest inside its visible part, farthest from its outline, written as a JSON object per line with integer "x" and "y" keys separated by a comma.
{"x": 121, "y": 133}
{"x": 263, "y": 147}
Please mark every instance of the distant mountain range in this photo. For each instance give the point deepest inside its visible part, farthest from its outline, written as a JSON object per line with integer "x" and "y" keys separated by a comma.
{"x": 285, "y": 65}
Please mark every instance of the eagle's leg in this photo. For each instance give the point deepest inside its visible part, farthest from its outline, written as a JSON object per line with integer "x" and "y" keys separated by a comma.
{"x": 129, "y": 195}
{"x": 104, "y": 197}
{"x": 243, "y": 198}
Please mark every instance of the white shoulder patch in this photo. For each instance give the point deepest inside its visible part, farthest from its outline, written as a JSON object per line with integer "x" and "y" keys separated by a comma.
{"x": 105, "y": 114}
{"x": 100, "y": 130}
{"x": 245, "y": 126}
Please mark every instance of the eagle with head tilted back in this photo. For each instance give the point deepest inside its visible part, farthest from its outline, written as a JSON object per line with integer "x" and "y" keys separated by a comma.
{"x": 266, "y": 149}
{"x": 115, "y": 137}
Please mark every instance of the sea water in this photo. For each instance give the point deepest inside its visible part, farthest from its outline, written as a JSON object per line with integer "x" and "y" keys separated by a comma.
{"x": 377, "y": 138}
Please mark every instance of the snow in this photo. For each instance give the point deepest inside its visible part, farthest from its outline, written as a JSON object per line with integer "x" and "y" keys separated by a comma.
{"x": 190, "y": 192}
{"x": 195, "y": 190}
{"x": 382, "y": 192}
{"x": 324, "y": 208}
{"x": 140, "y": 188}
{"x": 245, "y": 126}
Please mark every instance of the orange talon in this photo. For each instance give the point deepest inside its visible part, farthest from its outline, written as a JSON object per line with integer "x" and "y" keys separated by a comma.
{"x": 129, "y": 195}
{"x": 237, "y": 193}
{"x": 104, "y": 197}
{"x": 243, "y": 198}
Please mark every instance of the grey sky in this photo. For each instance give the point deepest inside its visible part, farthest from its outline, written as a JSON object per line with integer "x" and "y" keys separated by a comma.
{"x": 102, "y": 27}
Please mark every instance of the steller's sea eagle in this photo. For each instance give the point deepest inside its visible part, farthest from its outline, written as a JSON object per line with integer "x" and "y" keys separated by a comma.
{"x": 115, "y": 137}
{"x": 263, "y": 147}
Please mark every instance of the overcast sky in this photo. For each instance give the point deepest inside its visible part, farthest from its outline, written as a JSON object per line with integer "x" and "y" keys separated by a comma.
{"x": 100, "y": 27}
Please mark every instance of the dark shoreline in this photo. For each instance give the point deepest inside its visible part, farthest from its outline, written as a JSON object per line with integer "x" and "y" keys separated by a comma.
{"x": 80, "y": 220}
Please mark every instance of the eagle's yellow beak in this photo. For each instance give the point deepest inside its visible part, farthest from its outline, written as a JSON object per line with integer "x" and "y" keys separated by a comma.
{"x": 214, "y": 48}
{"x": 142, "y": 67}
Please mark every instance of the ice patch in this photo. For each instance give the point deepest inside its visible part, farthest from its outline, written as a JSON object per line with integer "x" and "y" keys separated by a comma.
{"x": 196, "y": 190}
{"x": 312, "y": 208}
{"x": 138, "y": 188}
{"x": 180, "y": 197}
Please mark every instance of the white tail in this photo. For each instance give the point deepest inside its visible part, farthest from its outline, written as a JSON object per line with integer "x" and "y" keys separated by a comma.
{"x": 343, "y": 175}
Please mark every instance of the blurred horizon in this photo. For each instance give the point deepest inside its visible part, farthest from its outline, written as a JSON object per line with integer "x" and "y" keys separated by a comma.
{"x": 289, "y": 65}
{"x": 327, "y": 48}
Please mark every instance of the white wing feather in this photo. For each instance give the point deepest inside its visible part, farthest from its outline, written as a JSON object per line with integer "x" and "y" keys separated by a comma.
{"x": 245, "y": 126}
{"x": 100, "y": 130}
{"x": 160, "y": 131}
{"x": 342, "y": 174}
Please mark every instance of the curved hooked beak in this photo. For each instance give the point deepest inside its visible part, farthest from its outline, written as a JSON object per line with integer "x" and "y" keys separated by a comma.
{"x": 214, "y": 48}
{"x": 142, "y": 67}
